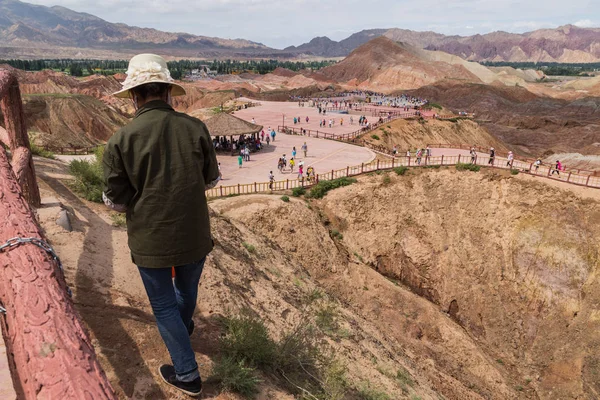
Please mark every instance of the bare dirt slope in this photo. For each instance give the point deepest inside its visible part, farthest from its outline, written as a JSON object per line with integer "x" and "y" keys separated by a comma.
{"x": 532, "y": 124}
{"x": 517, "y": 269}
{"x": 481, "y": 286}
{"x": 69, "y": 120}
{"x": 412, "y": 134}
{"x": 384, "y": 65}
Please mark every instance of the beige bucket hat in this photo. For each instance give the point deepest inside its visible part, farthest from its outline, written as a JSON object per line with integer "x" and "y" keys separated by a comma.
{"x": 148, "y": 68}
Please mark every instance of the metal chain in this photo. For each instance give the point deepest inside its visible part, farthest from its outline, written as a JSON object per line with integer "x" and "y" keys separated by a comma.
{"x": 17, "y": 241}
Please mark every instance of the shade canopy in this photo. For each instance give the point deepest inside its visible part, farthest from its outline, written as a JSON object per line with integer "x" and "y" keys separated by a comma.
{"x": 224, "y": 124}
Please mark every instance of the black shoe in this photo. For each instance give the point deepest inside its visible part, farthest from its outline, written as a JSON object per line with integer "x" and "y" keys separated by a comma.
{"x": 167, "y": 373}
{"x": 191, "y": 328}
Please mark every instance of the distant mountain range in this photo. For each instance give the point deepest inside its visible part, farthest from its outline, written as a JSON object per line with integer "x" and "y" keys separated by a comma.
{"x": 34, "y": 31}
{"x": 566, "y": 44}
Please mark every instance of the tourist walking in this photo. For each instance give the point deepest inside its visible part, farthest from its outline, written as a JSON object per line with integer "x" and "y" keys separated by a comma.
{"x": 300, "y": 170}
{"x": 271, "y": 180}
{"x": 292, "y": 163}
{"x": 167, "y": 214}
{"x": 294, "y": 152}
{"x": 304, "y": 149}
{"x": 268, "y": 140}
{"x": 419, "y": 156}
{"x": 557, "y": 168}
{"x": 492, "y": 156}
{"x": 537, "y": 164}
{"x": 473, "y": 153}
{"x": 273, "y": 135}
{"x": 240, "y": 161}
{"x": 510, "y": 159}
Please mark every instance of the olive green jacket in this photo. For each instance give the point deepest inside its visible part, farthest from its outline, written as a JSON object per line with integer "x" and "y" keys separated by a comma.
{"x": 157, "y": 168}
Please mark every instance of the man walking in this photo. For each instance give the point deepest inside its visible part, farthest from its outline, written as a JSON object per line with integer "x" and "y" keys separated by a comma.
{"x": 305, "y": 149}
{"x": 157, "y": 169}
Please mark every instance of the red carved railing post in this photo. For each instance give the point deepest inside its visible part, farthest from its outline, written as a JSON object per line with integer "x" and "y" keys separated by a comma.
{"x": 14, "y": 120}
{"x": 50, "y": 354}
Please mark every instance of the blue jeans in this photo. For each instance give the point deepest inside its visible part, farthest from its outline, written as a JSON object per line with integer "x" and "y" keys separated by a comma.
{"x": 173, "y": 302}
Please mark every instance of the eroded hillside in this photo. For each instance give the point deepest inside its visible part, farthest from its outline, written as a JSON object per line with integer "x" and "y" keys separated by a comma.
{"x": 413, "y": 134}
{"x": 476, "y": 285}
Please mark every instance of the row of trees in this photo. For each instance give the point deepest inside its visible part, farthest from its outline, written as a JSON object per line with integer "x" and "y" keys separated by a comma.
{"x": 178, "y": 68}
{"x": 549, "y": 68}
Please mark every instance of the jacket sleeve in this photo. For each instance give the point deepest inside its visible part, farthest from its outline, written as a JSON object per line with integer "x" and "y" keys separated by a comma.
{"x": 211, "y": 173}
{"x": 118, "y": 191}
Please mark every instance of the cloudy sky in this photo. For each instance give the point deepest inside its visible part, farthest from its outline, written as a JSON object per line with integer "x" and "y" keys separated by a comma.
{"x": 281, "y": 23}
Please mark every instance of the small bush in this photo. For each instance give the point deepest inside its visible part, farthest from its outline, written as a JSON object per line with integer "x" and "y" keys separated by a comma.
{"x": 285, "y": 199}
{"x": 327, "y": 319}
{"x": 400, "y": 170}
{"x": 404, "y": 378}
{"x": 89, "y": 177}
{"x": 247, "y": 339}
{"x": 514, "y": 171}
{"x": 39, "y": 151}
{"x": 375, "y": 137}
{"x": 236, "y": 377}
{"x": 467, "y": 167}
{"x": 119, "y": 220}
{"x": 434, "y": 105}
{"x": 336, "y": 234}
{"x": 386, "y": 180}
{"x": 359, "y": 257}
{"x": 368, "y": 393}
{"x": 299, "y": 191}
{"x": 433, "y": 166}
{"x": 320, "y": 189}
{"x": 251, "y": 249}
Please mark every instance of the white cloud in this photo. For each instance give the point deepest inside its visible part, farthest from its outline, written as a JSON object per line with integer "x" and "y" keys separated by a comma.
{"x": 585, "y": 23}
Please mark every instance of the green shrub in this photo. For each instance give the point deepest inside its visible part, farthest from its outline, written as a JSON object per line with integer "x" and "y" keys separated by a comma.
{"x": 400, "y": 170}
{"x": 336, "y": 234}
{"x": 404, "y": 378}
{"x": 326, "y": 319}
{"x": 299, "y": 191}
{"x": 514, "y": 171}
{"x": 368, "y": 393}
{"x": 249, "y": 247}
{"x": 236, "y": 377}
{"x": 433, "y": 166}
{"x": 435, "y": 105}
{"x": 89, "y": 177}
{"x": 285, "y": 199}
{"x": 386, "y": 180}
{"x": 320, "y": 189}
{"x": 374, "y": 137}
{"x": 118, "y": 220}
{"x": 247, "y": 339}
{"x": 40, "y": 151}
{"x": 467, "y": 167}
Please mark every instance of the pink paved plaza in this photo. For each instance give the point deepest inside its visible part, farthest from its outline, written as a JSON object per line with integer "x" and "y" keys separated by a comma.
{"x": 323, "y": 155}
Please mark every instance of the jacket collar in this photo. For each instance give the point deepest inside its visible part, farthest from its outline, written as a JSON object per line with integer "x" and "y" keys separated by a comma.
{"x": 153, "y": 105}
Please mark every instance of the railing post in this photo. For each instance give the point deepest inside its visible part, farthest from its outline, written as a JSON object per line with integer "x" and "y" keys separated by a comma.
{"x": 569, "y": 177}
{"x": 287, "y": 184}
{"x": 459, "y": 158}
{"x": 221, "y": 190}
{"x": 393, "y": 159}
{"x": 362, "y": 167}
{"x": 331, "y": 174}
{"x": 442, "y": 159}
{"x": 408, "y": 161}
{"x": 549, "y": 171}
{"x": 530, "y": 166}
{"x": 239, "y": 192}
{"x": 587, "y": 182}
{"x": 377, "y": 165}
{"x": 255, "y": 190}
{"x": 348, "y": 170}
